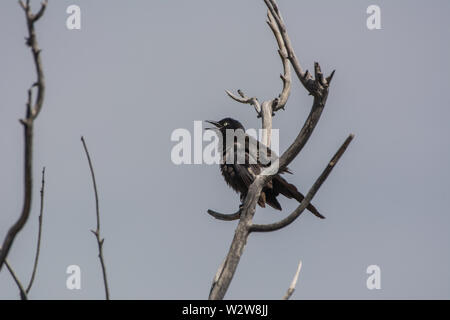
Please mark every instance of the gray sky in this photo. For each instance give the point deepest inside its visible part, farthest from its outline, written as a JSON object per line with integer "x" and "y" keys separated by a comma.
{"x": 137, "y": 70}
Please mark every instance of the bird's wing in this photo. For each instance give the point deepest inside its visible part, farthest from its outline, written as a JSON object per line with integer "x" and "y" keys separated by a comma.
{"x": 258, "y": 153}
{"x": 266, "y": 156}
{"x": 247, "y": 173}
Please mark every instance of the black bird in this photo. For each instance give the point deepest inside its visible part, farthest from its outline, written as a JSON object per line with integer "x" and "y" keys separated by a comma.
{"x": 239, "y": 175}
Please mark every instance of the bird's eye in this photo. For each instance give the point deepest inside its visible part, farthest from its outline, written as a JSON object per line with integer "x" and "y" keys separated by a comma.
{"x": 225, "y": 123}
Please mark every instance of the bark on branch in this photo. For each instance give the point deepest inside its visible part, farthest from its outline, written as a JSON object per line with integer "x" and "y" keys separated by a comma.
{"x": 38, "y": 247}
{"x": 225, "y": 216}
{"x": 96, "y": 232}
{"x": 22, "y": 291}
{"x": 33, "y": 109}
{"x": 280, "y": 102}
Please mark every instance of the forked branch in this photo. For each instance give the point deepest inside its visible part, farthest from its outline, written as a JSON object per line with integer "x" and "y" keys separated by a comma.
{"x": 38, "y": 247}
{"x": 318, "y": 88}
{"x": 246, "y": 100}
{"x": 311, "y": 193}
{"x": 266, "y": 110}
{"x": 33, "y": 109}
{"x": 22, "y": 291}
{"x": 225, "y": 216}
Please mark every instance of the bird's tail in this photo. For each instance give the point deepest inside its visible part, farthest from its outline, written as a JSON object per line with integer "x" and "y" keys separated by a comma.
{"x": 290, "y": 191}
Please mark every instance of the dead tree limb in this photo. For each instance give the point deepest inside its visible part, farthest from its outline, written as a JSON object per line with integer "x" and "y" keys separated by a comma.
{"x": 282, "y": 99}
{"x": 33, "y": 109}
{"x": 291, "y": 288}
{"x": 96, "y": 232}
{"x": 316, "y": 86}
{"x": 38, "y": 247}
{"x": 266, "y": 110}
{"x": 225, "y": 216}
{"x": 23, "y": 293}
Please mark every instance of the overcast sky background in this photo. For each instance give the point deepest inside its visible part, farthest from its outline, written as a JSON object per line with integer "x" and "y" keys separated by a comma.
{"x": 137, "y": 70}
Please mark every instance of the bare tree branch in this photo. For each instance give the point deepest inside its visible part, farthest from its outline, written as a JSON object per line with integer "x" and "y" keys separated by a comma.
{"x": 267, "y": 109}
{"x": 23, "y": 293}
{"x": 96, "y": 232}
{"x": 225, "y": 216}
{"x": 280, "y": 102}
{"x": 311, "y": 193}
{"x": 266, "y": 119}
{"x": 38, "y": 247}
{"x": 246, "y": 100}
{"x": 32, "y": 43}
{"x": 301, "y": 139}
{"x": 32, "y": 111}
{"x": 318, "y": 88}
{"x": 291, "y": 288}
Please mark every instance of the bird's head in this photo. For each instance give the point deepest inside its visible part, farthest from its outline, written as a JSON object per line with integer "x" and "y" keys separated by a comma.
{"x": 226, "y": 123}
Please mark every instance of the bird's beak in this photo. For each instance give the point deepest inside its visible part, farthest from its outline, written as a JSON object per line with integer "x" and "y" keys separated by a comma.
{"x": 218, "y": 125}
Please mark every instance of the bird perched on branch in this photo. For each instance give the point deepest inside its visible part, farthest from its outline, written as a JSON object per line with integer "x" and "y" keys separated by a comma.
{"x": 243, "y": 158}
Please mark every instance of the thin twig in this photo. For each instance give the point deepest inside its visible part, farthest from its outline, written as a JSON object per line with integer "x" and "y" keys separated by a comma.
{"x": 38, "y": 247}
{"x": 291, "y": 288}
{"x": 225, "y": 216}
{"x": 96, "y": 232}
{"x": 246, "y": 100}
{"x": 253, "y": 194}
{"x": 32, "y": 111}
{"x": 318, "y": 88}
{"x": 217, "y": 275}
{"x": 23, "y": 293}
{"x": 32, "y": 43}
{"x": 304, "y": 77}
